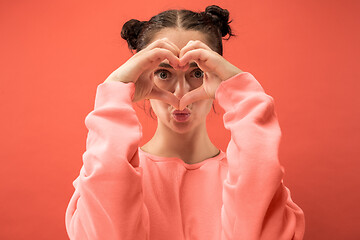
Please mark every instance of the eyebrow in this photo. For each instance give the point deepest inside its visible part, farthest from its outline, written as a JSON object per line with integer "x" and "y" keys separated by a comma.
{"x": 166, "y": 65}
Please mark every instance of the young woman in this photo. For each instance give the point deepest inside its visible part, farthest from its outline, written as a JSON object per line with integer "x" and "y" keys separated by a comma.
{"x": 179, "y": 185}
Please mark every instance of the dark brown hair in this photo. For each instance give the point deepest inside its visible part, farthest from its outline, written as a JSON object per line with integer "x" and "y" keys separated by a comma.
{"x": 213, "y": 23}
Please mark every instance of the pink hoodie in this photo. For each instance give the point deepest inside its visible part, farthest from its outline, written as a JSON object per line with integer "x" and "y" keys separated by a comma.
{"x": 125, "y": 193}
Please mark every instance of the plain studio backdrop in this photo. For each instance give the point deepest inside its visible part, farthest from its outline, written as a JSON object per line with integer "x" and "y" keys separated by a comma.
{"x": 54, "y": 54}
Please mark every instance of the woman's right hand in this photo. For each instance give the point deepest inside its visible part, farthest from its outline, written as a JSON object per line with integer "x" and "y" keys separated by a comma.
{"x": 139, "y": 70}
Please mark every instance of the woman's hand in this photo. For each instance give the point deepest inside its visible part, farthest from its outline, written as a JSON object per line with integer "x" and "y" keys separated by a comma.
{"x": 139, "y": 70}
{"x": 216, "y": 69}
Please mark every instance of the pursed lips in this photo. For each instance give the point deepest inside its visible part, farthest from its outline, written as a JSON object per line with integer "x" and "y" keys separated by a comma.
{"x": 183, "y": 112}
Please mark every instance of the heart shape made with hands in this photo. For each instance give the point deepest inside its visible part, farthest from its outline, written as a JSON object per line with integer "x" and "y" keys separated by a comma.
{"x": 215, "y": 68}
{"x": 192, "y": 96}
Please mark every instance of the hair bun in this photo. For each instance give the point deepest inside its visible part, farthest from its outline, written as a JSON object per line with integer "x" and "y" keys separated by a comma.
{"x": 130, "y": 32}
{"x": 220, "y": 16}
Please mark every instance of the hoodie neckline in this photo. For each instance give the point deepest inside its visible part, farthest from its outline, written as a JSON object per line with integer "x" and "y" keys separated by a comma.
{"x": 156, "y": 158}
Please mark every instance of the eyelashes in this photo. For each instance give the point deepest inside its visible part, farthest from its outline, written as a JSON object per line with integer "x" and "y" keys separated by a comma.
{"x": 164, "y": 74}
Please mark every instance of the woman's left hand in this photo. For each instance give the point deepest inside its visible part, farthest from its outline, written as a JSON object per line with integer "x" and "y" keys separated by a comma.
{"x": 216, "y": 69}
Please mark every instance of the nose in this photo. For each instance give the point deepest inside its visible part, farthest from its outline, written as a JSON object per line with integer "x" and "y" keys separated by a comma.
{"x": 181, "y": 87}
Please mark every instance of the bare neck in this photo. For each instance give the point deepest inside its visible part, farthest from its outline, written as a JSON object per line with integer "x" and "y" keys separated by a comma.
{"x": 192, "y": 147}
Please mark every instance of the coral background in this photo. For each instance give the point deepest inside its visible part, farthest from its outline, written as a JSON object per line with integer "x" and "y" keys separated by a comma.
{"x": 55, "y": 53}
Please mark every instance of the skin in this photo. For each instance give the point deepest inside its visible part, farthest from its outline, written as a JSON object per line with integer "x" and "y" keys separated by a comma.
{"x": 189, "y": 81}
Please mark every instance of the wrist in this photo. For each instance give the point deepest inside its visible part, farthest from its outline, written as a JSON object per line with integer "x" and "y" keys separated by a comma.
{"x": 233, "y": 71}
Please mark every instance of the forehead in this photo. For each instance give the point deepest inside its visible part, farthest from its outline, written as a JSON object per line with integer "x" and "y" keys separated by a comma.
{"x": 180, "y": 37}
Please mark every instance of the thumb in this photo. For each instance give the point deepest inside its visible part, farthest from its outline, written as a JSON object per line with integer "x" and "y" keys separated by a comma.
{"x": 165, "y": 96}
{"x": 193, "y": 96}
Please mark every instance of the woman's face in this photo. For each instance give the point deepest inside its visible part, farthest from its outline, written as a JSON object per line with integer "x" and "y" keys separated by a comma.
{"x": 179, "y": 83}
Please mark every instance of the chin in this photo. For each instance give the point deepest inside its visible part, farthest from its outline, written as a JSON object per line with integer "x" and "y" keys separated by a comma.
{"x": 181, "y": 130}
{"x": 180, "y": 127}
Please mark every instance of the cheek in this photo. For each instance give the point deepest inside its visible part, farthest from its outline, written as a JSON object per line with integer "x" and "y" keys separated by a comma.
{"x": 204, "y": 106}
{"x": 165, "y": 85}
{"x": 196, "y": 83}
{"x": 208, "y": 104}
{"x": 160, "y": 108}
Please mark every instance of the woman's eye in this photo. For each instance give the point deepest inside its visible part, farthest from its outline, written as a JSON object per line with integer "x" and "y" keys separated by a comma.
{"x": 162, "y": 74}
{"x": 198, "y": 73}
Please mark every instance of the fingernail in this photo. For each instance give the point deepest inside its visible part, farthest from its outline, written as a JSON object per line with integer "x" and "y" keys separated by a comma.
{"x": 184, "y": 68}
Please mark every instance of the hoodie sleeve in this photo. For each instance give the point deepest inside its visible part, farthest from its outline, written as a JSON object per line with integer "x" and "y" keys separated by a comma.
{"x": 108, "y": 200}
{"x": 256, "y": 204}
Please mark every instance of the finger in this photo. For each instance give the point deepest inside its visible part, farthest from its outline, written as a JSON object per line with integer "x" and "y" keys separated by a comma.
{"x": 157, "y": 55}
{"x": 177, "y": 49}
{"x": 193, "y": 96}
{"x": 196, "y": 54}
{"x": 184, "y": 68}
{"x": 164, "y": 43}
{"x": 204, "y": 59}
{"x": 193, "y": 45}
{"x": 165, "y": 96}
